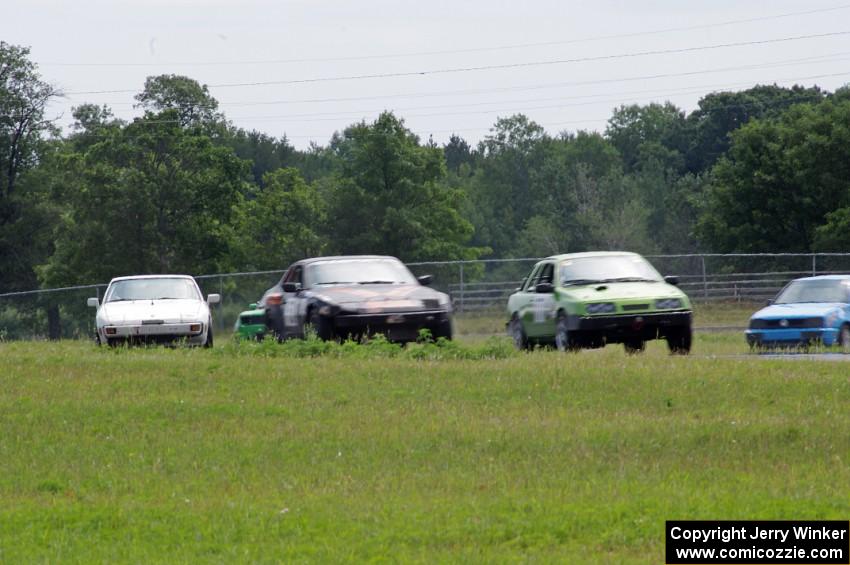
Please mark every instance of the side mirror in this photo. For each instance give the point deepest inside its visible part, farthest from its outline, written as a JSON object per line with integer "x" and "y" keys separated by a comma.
{"x": 93, "y": 302}
{"x": 291, "y": 287}
{"x": 768, "y": 302}
{"x": 544, "y": 288}
{"x": 672, "y": 279}
{"x": 213, "y": 298}
{"x": 425, "y": 280}
{"x": 252, "y": 306}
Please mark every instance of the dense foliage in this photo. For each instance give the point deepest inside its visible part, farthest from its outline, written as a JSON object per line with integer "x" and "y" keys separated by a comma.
{"x": 181, "y": 189}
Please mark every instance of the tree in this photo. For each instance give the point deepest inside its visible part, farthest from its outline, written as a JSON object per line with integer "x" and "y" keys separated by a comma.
{"x": 23, "y": 127}
{"x": 654, "y": 131}
{"x": 501, "y": 201}
{"x": 151, "y": 197}
{"x": 189, "y": 101}
{"x": 387, "y": 196}
{"x": 281, "y": 221}
{"x": 782, "y": 181}
{"x": 721, "y": 113}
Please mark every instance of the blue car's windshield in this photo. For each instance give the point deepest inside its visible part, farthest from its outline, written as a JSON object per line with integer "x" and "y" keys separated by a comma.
{"x": 813, "y": 290}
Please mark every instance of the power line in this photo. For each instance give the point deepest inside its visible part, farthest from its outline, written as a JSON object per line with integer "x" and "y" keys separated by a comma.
{"x": 778, "y": 103}
{"x": 826, "y": 58}
{"x": 458, "y": 51}
{"x": 507, "y": 65}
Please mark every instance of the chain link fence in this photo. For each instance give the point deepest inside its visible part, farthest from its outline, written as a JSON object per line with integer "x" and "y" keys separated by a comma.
{"x": 476, "y": 287}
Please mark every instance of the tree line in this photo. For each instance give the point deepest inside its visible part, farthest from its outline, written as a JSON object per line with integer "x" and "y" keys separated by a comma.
{"x": 182, "y": 189}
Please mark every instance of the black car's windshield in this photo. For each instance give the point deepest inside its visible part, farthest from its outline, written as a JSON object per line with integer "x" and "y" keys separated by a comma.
{"x": 607, "y": 269}
{"x": 152, "y": 289}
{"x": 813, "y": 290}
{"x": 359, "y": 271}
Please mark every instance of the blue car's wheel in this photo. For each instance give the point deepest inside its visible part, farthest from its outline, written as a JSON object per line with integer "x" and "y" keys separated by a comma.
{"x": 844, "y": 338}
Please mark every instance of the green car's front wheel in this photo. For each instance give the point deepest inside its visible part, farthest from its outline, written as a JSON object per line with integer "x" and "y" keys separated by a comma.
{"x": 679, "y": 340}
{"x": 564, "y": 341}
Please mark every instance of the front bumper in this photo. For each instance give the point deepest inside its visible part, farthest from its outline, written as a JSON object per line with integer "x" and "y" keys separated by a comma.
{"x": 791, "y": 337}
{"x": 632, "y": 326}
{"x": 156, "y": 333}
{"x": 395, "y": 326}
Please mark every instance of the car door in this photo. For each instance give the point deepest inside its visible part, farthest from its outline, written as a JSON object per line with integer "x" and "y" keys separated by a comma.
{"x": 525, "y": 299}
{"x": 292, "y": 300}
{"x": 542, "y": 305}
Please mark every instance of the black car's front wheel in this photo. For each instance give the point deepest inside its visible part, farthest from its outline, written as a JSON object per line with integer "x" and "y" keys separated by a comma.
{"x": 322, "y": 326}
{"x": 443, "y": 330}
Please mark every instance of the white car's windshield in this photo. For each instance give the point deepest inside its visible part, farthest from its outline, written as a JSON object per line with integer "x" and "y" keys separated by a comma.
{"x": 607, "y": 268}
{"x": 152, "y": 289}
{"x": 359, "y": 271}
{"x": 824, "y": 290}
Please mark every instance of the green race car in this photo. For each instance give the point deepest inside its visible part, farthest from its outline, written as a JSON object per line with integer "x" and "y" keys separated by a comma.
{"x": 251, "y": 324}
{"x": 587, "y": 300}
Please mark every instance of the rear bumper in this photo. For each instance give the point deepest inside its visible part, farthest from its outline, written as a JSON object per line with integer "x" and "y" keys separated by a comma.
{"x": 631, "y": 326}
{"x": 791, "y": 337}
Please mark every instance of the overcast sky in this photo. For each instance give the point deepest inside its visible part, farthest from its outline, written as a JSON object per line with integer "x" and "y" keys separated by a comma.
{"x": 88, "y": 46}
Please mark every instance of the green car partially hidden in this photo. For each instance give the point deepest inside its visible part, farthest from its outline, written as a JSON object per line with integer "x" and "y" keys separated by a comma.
{"x": 588, "y": 300}
{"x": 251, "y": 324}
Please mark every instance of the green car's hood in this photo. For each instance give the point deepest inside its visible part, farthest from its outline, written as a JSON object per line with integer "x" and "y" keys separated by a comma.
{"x": 622, "y": 291}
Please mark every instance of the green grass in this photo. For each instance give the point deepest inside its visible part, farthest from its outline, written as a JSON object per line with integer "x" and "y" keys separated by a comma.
{"x": 260, "y": 453}
{"x": 706, "y": 315}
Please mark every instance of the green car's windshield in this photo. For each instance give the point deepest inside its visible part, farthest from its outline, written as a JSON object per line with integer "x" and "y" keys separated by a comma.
{"x": 607, "y": 269}
{"x": 813, "y": 290}
{"x": 152, "y": 289}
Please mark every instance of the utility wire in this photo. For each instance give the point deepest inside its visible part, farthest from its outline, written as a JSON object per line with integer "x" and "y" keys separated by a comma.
{"x": 826, "y": 58}
{"x": 456, "y": 51}
{"x": 757, "y": 103}
{"x": 507, "y": 65}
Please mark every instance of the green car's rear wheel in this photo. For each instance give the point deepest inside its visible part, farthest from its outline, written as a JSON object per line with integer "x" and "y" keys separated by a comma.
{"x": 518, "y": 333}
{"x": 634, "y": 346}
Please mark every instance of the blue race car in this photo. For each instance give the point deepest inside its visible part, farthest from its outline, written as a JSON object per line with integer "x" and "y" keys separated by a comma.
{"x": 808, "y": 310}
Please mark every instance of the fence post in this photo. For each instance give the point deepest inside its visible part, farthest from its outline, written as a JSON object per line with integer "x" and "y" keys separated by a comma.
{"x": 461, "y": 287}
{"x": 704, "y": 279}
{"x": 221, "y": 302}
{"x": 814, "y": 265}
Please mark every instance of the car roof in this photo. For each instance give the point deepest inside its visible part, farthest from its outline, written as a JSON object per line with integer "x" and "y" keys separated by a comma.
{"x": 134, "y": 277}
{"x": 589, "y": 254}
{"x": 825, "y": 277}
{"x": 342, "y": 258}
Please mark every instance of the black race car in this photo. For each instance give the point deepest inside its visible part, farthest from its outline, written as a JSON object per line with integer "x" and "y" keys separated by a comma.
{"x": 355, "y": 296}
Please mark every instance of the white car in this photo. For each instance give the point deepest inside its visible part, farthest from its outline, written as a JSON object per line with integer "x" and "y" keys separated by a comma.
{"x": 154, "y": 309}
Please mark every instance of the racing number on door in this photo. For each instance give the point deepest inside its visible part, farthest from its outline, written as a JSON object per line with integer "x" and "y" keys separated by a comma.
{"x": 290, "y": 312}
{"x": 541, "y": 305}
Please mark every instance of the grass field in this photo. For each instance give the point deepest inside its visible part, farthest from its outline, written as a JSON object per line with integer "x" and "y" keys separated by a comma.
{"x": 706, "y": 315}
{"x": 262, "y": 453}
